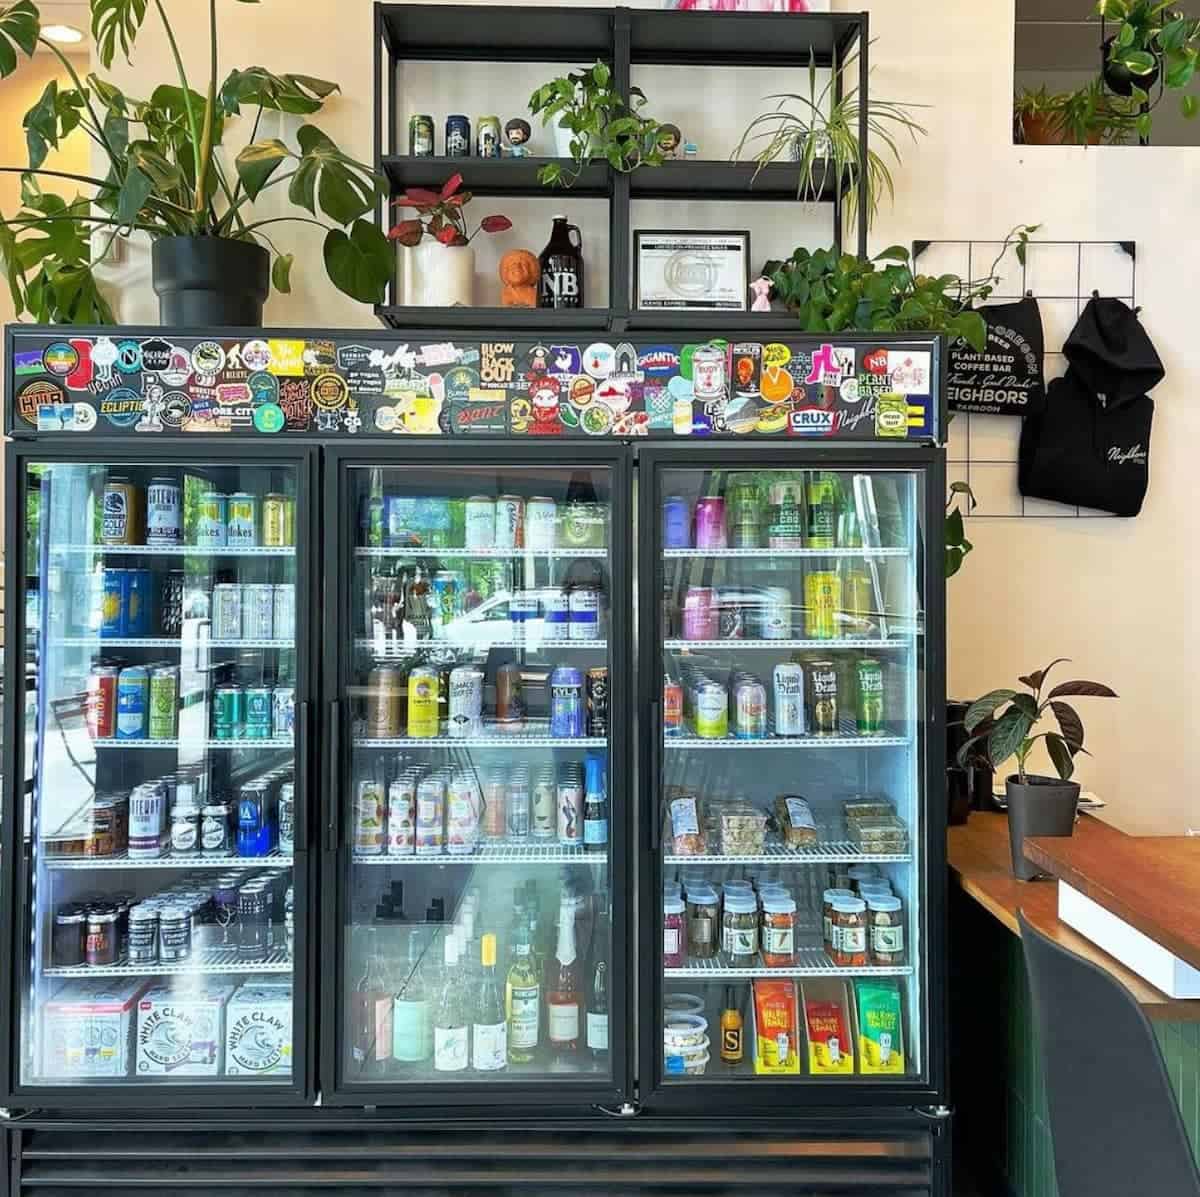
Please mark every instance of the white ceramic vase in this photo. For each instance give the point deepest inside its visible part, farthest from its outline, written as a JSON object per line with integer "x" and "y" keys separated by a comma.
{"x": 562, "y": 142}
{"x": 439, "y": 276}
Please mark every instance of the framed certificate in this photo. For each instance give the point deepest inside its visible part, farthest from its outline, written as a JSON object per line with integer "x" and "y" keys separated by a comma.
{"x": 687, "y": 271}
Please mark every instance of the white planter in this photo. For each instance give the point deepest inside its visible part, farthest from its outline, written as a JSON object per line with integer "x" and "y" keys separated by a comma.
{"x": 439, "y": 276}
{"x": 562, "y": 141}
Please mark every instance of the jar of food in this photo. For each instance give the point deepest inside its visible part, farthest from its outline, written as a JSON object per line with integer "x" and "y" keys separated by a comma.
{"x": 886, "y": 920}
{"x": 69, "y": 941}
{"x": 849, "y": 932}
{"x": 100, "y": 949}
{"x": 778, "y": 931}
{"x": 143, "y": 934}
{"x": 674, "y": 932}
{"x": 877, "y": 887}
{"x": 863, "y": 872}
{"x": 703, "y": 916}
{"x": 739, "y": 930}
{"x": 827, "y": 901}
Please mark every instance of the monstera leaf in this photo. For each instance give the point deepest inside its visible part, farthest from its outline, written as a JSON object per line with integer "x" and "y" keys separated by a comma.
{"x": 344, "y": 189}
{"x": 19, "y": 29}
{"x": 116, "y": 22}
{"x": 360, "y": 263}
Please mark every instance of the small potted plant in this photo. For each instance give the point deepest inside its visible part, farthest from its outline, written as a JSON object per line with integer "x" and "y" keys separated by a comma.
{"x": 441, "y": 263}
{"x": 1093, "y": 116}
{"x": 1001, "y": 724}
{"x": 1037, "y": 117}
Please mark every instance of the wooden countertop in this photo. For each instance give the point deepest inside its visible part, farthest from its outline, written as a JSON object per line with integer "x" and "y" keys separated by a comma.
{"x": 980, "y": 862}
{"x": 1152, "y": 882}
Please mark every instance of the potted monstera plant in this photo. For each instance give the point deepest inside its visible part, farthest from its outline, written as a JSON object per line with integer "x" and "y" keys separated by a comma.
{"x": 1002, "y": 724}
{"x": 213, "y": 262}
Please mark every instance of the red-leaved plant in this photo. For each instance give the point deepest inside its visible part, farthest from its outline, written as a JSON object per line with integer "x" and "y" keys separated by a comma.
{"x": 442, "y": 215}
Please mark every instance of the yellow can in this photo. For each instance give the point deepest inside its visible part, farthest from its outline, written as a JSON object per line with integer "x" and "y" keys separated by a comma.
{"x": 822, "y": 602}
{"x": 423, "y": 703}
{"x": 278, "y": 521}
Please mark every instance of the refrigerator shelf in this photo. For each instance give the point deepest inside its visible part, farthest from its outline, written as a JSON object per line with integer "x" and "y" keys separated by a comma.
{"x": 176, "y": 550}
{"x": 541, "y": 853}
{"x": 810, "y": 962}
{"x": 821, "y": 645}
{"x": 479, "y": 554}
{"x": 843, "y": 740}
{"x": 767, "y": 554}
{"x": 515, "y": 740}
{"x": 272, "y": 859}
{"x": 831, "y": 852}
{"x": 205, "y": 744}
{"x": 166, "y": 642}
{"x": 209, "y": 960}
{"x": 394, "y": 648}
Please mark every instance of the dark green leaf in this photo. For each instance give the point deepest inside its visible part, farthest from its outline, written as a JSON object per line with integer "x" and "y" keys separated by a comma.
{"x": 983, "y": 708}
{"x": 256, "y": 85}
{"x": 1007, "y": 736}
{"x": 146, "y": 157}
{"x": 281, "y": 272}
{"x": 1081, "y": 689}
{"x": 1027, "y": 705}
{"x": 1180, "y": 73}
{"x": 953, "y": 560}
{"x": 1060, "y": 755}
{"x": 893, "y": 253}
{"x": 134, "y": 193}
{"x": 1126, "y": 35}
{"x": 41, "y": 125}
{"x": 344, "y": 189}
{"x": 116, "y": 22}
{"x": 8, "y": 265}
{"x": 19, "y": 29}
{"x": 1038, "y": 676}
{"x": 360, "y": 264}
{"x": 1071, "y": 724}
{"x": 1174, "y": 34}
{"x": 954, "y": 527}
{"x": 1139, "y": 62}
{"x": 258, "y": 162}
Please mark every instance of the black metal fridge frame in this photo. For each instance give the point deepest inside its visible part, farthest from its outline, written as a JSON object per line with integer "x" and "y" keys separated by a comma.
{"x": 560, "y": 1091}
{"x": 16, "y": 864}
{"x": 802, "y": 1092}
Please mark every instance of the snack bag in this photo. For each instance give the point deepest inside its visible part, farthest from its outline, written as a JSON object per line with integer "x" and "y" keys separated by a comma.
{"x": 880, "y": 1030}
{"x": 776, "y": 1039}
{"x": 827, "y": 1025}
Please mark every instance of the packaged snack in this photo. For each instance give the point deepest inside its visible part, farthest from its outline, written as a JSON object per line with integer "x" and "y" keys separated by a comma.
{"x": 795, "y": 820}
{"x": 686, "y": 837}
{"x": 827, "y": 1028}
{"x": 885, "y": 833}
{"x": 743, "y": 830}
{"x": 866, "y": 806}
{"x": 880, "y": 1031}
{"x": 776, "y": 1044}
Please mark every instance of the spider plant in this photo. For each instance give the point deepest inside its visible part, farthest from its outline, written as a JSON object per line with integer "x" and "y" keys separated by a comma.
{"x": 819, "y": 132}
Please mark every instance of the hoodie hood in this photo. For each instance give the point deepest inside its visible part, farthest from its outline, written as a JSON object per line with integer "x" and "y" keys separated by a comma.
{"x": 1111, "y": 353}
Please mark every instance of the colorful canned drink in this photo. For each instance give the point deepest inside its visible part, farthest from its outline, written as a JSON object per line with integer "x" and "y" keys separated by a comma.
{"x": 494, "y": 821}
{"x": 466, "y": 702}
{"x": 216, "y": 833}
{"x": 775, "y": 614}
{"x": 545, "y": 802}
{"x": 822, "y": 511}
{"x": 254, "y": 819}
{"x": 700, "y": 618}
{"x": 258, "y": 713}
{"x": 569, "y": 805}
{"x": 541, "y": 524}
{"x": 163, "y": 722}
{"x": 789, "y": 699}
{"x": 147, "y": 821}
{"x": 745, "y": 531}
{"x": 709, "y": 373}
{"x": 869, "y": 674}
{"x": 170, "y": 603}
{"x": 710, "y": 523}
{"x": 133, "y": 701}
{"x": 113, "y": 624}
{"x": 284, "y": 611}
{"x": 750, "y": 710}
{"x": 463, "y": 806}
{"x": 479, "y": 523}
{"x": 582, "y": 525}
{"x": 510, "y": 522}
{"x": 227, "y": 611}
{"x": 423, "y": 702}
{"x": 517, "y": 804}
{"x": 584, "y": 613}
{"x": 566, "y": 703}
{"x": 100, "y": 705}
{"x": 672, "y": 708}
{"x": 368, "y": 832}
{"x": 278, "y": 521}
{"x": 242, "y": 528}
{"x": 446, "y": 587}
{"x": 212, "y": 520}
{"x": 164, "y": 512}
{"x": 596, "y": 681}
{"x": 487, "y": 137}
{"x": 372, "y": 521}
{"x": 858, "y": 604}
{"x": 258, "y": 611}
{"x": 384, "y": 702}
{"x": 285, "y": 815}
{"x": 229, "y": 712}
{"x": 120, "y": 521}
{"x": 402, "y": 815}
{"x": 732, "y": 613}
{"x": 822, "y": 602}
{"x": 138, "y": 601}
{"x": 420, "y": 135}
{"x": 458, "y": 136}
{"x": 823, "y": 698}
{"x": 510, "y": 698}
{"x": 677, "y": 523}
{"x": 522, "y": 611}
{"x": 785, "y": 529}
{"x": 283, "y": 712}
{"x": 556, "y": 607}
{"x": 712, "y": 711}
{"x": 431, "y": 814}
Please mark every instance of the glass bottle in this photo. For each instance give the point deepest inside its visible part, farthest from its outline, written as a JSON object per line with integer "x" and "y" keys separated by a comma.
{"x": 597, "y": 1012}
{"x": 416, "y": 604}
{"x": 370, "y": 993}
{"x": 595, "y": 806}
{"x": 732, "y": 1040}
{"x": 451, "y": 1046}
{"x": 489, "y": 1032}
{"x": 412, "y": 1026}
{"x": 525, "y": 1000}
{"x": 561, "y": 283}
{"x": 563, "y": 996}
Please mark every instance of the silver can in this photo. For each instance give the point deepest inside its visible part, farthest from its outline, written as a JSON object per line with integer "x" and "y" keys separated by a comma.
{"x": 185, "y": 829}
{"x": 480, "y": 523}
{"x": 402, "y": 814}
{"x": 584, "y": 613}
{"x": 556, "y": 615}
{"x": 775, "y": 614}
{"x": 285, "y": 814}
{"x": 789, "y": 699}
{"x": 285, "y": 611}
{"x": 541, "y": 523}
{"x": 283, "y": 712}
{"x": 227, "y": 611}
{"x": 147, "y": 820}
{"x": 164, "y": 512}
{"x": 465, "y": 702}
{"x": 258, "y": 611}
{"x": 216, "y": 830}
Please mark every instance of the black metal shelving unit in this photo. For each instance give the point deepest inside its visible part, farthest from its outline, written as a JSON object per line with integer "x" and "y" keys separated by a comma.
{"x": 624, "y": 38}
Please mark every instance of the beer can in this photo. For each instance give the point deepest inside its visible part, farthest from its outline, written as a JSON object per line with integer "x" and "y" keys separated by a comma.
{"x": 431, "y": 814}
{"x": 700, "y": 619}
{"x": 732, "y": 614}
{"x": 278, "y": 520}
{"x": 283, "y": 618}
{"x": 164, "y": 512}
{"x": 212, "y": 520}
{"x": 283, "y": 712}
{"x": 745, "y": 531}
{"x": 170, "y": 603}
{"x": 823, "y": 698}
{"x": 402, "y": 814}
{"x": 869, "y": 715}
{"x": 254, "y": 819}
{"x": 676, "y": 523}
{"x": 258, "y": 713}
{"x": 517, "y": 803}
{"x": 285, "y": 815}
{"x": 541, "y": 524}
{"x": 113, "y": 621}
{"x": 216, "y": 830}
{"x": 749, "y": 710}
{"x": 227, "y": 611}
{"x": 420, "y": 135}
{"x": 510, "y": 522}
{"x": 556, "y": 606}
{"x": 584, "y": 613}
{"x": 466, "y": 702}
{"x": 458, "y": 136}
{"x": 479, "y": 524}
{"x": 858, "y": 604}
{"x": 785, "y": 501}
{"x": 229, "y": 712}
{"x": 822, "y": 602}
{"x": 822, "y": 511}
{"x": 372, "y": 521}
{"x": 597, "y": 701}
{"x": 583, "y": 525}
{"x": 422, "y": 702}
{"x": 147, "y": 821}
{"x": 522, "y": 611}
{"x": 133, "y": 700}
{"x": 258, "y": 611}
{"x": 399, "y": 521}
{"x": 510, "y": 698}
{"x": 494, "y": 823}
{"x": 367, "y": 835}
{"x": 242, "y": 529}
{"x": 566, "y": 703}
{"x": 100, "y": 705}
{"x": 463, "y": 807}
{"x": 712, "y": 711}
{"x": 672, "y": 708}
{"x": 545, "y": 802}
{"x": 384, "y": 699}
{"x": 789, "y": 699}
{"x": 120, "y": 518}
{"x": 138, "y": 601}
{"x": 163, "y": 722}
{"x": 487, "y": 137}
{"x": 446, "y": 589}
{"x": 569, "y": 805}
{"x": 710, "y": 523}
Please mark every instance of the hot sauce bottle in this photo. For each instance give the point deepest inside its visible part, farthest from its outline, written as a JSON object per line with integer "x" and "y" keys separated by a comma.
{"x": 731, "y": 1029}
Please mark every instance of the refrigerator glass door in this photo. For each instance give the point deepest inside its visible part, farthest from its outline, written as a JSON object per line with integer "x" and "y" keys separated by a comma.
{"x": 160, "y": 901}
{"x": 476, "y": 818}
{"x": 792, "y": 653}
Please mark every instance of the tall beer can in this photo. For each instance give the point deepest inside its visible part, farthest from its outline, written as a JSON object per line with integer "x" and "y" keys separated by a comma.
{"x": 164, "y": 512}
{"x": 545, "y": 803}
{"x": 466, "y": 702}
{"x": 510, "y": 699}
{"x": 541, "y": 523}
{"x": 402, "y": 814}
{"x": 569, "y": 805}
{"x": 869, "y": 674}
{"x": 517, "y": 804}
{"x": 284, "y": 611}
{"x": 258, "y": 611}
{"x": 278, "y": 520}
{"x": 368, "y": 817}
{"x": 422, "y": 702}
{"x": 384, "y": 695}
{"x": 164, "y": 702}
{"x": 480, "y": 523}
{"x": 710, "y": 523}
{"x": 823, "y": 697}
{"x": 212, "y": 520}
{"x": 431, "y": 814}
{"x": 822, "y": 602}
{"x": 510, "y": 522}
{"x": 227, "y": 611}
{"x": 286, "y": 817}
{"x": 584, "y": 613}
{"x": 242, "y": 530}
{"x": 120, "y": 521}
{"x": 749, "y": 710}
{"x": 789, "y": 699}
{"x": 556, "y": 606}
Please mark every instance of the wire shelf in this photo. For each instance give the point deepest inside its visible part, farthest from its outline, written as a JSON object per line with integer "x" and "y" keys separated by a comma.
{"x": 810, "y": 962}
{"x": 831, "y": 852}
{"x": 480, "y": 554}
{"x": 504, "y": 853}
{"x": 513, "y": 740}
{"x": 842, "y": 740}
{"x": 821, "y": 645}
{"x": 123, "y": 861}
{"x": 767, "y": 554}
{"x": 206, "y": 744}
{"x": 401, "y": 648}
{"x": 176, "y": 550}
{"x": 208, "y": 960}
{"x": 166, "y": 642}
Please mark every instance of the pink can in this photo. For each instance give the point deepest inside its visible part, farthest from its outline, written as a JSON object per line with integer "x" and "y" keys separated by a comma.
{"x": 700, "y": 613}
{"x": 710, "y": 524}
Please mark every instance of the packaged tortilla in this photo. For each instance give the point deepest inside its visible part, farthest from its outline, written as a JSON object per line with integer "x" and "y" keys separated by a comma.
{"x": 827, "y": 1028}
{"x": 880, "y": 1030}
{"x": 776, "y": 1042}
{"x": 795, "y": 819}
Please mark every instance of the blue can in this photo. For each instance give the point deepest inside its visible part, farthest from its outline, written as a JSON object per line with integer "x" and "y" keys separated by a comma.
{"x": 254, "y": 819}
{"x": 677, "y": 523}
{"x": 112, "y": 605}
{"x": 566, "y": 703}
{"x": 133, "y": 703}
{"x": 458, "y": 136}
{"x": 138, "y": 602}
{"x": 399, "y": 525}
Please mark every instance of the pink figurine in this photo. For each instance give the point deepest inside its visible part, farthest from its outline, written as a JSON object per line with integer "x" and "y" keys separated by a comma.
{"x": 761, "y": 288}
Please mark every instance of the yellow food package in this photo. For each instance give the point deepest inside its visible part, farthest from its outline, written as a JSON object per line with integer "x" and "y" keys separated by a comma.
{"x": 776, "y": 1038}
{"x": 880, "y": 1031}
{"x": 827, "y": 1028}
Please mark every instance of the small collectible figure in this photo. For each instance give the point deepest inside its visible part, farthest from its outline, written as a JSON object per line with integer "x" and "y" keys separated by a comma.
{"x": 519, "y": 273}
{"x": 761, "y": 287}
{"x": 669, "y": 139}
{"x": 517, "y": 133}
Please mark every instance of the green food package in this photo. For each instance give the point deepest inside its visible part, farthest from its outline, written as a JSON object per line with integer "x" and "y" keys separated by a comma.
{"x": 880, "y": 1030}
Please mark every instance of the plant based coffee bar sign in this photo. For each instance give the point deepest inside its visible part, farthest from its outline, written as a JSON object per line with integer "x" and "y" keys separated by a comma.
{"x": 1005, "y": 378}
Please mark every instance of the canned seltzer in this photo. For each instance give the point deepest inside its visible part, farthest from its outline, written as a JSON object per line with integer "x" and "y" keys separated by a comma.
{"x": 164, "y": 702}
{"x": 258, "y": 611}
{"x": 227, "y": 611}
{"x": 286, "y": 816}
{"x": 278, "y": 521}
{"x": 479, "y": 523}
{"x": 242, "y": 531}
{"x": 284, "y": 611}
{"x": 258, "y": 713}
{"x": 212, "y": 520}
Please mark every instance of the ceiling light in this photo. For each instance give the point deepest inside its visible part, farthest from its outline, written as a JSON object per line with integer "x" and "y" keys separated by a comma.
{"x": 66, "y": 34}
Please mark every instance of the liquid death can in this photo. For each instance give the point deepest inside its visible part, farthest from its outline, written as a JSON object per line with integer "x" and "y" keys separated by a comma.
{"x": 823, "y": 697}
{"x": 789, "y": 699}
{"x": 870, "y": 697}
{"x": 597, "y": 702}
{"x": 466, "y": 702}
{"x": 164, "y": 512}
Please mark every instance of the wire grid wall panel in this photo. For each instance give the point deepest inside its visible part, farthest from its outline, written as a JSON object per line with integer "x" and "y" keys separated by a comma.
{"x": 1061, "y": 276}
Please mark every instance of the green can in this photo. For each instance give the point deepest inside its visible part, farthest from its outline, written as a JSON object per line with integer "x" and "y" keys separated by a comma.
{"x": 822, "y": 511}
{"x": 870, "y": 697}
{"x": 164, "y": 703}
{"x": 229, "y": 712}
{"x": 420, "y": 135}
{"x": 258, "y": 713}
{"x": 743, "y": 516}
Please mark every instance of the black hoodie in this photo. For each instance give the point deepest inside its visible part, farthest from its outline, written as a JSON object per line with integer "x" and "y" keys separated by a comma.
{"x": 1091, "y": 445}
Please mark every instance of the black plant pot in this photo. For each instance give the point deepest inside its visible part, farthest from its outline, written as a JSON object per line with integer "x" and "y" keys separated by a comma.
{"x": 210, "y": 281}
{"x": 1041, "y": 806}
{"x": 1119, "y": 79}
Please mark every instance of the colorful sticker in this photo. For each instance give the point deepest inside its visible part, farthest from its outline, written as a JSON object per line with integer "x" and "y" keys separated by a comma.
{"x": 129, "y": 357}
{"x": 122, "y": 407}
{"x": 599, "y": 360}
{"x": 776, "y": 355}
{"x": 295, "y": 401}
{"x": 286, "y": 356}
{"x": 481, "y": 413}
{"x": 208, "y": 359}
{"x": 264, "y": 387}
{"x": 85, "y": 417}
{"x": 256, "y": 355}
{"x": 60, "y": 359}
{"x": 460, "y": 382}
{"x": 233, "y": 394}
{"x": 565, "y": 360}
{"x": 330, "y": 392}
{"x": 891, "y": 415}
{"x": 104, "y": 358}
{"x": 268, "y": 417}
{"x": 658, "y": 361}
{"x": 445, "y": 353}
{"x": 178, "y": 369}
{"x": 27, "y": 361}
{"x": 319, "y": 356}
{"x": 176, "y": 408}
{"x": 33, "y": 395}
{"x": 581, "y": 390}
{"x": 496, "y": 364}
{"x": 909, "y": 371}
{"x": 544, "y": 395}
{"x": 876, "y": 362}
{"x": 812, "y": 421}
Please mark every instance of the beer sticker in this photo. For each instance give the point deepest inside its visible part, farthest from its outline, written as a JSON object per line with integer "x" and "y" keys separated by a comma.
{"x": 496, "y": 365}
{"x": 330, "y": 392}
{"x": 60, "y": 359}
{"x": 268, "y": 417}
{"x": 208, "y": 359}
{"x": 34, "y": 395}
{"x": 129, "y": 357}
{"x": 176, "y": 408}
{"x": 599, "y": 360}
{"x": 565, "y": 360}
{"x": 876, "y": 362}
{"x": 178, "y": 369}
{"x": 156, "y": 355}
{"x": 319, "y": 357}
{"x": 256, "y": 355}
{"x": 122, "y": 407}
{"x": 286, "y": 356}
{"x": 263, "y": 387}
{"x": 295, "y": 401}
{"x": 28, "y": 361}
{"x": 776, "y": 355}
{"x": 84, "y": 417}
{"x": 909, "y": 371}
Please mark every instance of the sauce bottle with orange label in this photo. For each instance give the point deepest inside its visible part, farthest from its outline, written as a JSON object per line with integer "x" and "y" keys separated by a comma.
{"x": 731, "y": 1029}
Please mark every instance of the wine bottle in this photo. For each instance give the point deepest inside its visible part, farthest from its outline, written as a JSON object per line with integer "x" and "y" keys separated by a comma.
{"x": 525, "y": 1000}
{"x": 597, "y": 1012}
{"x": 563, "y": 997}
{"x": 489, "y": 1032}
{"x": 451, "y": 1045}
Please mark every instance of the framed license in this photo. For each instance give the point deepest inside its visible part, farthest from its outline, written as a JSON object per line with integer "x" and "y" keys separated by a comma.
{"x": 687, "y": 271}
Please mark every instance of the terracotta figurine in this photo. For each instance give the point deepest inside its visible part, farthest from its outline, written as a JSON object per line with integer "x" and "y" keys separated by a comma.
{"x": 519, "y": 274}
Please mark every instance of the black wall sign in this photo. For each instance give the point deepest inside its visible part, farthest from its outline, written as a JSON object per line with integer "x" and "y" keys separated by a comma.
{"x": 1006, "y": 379}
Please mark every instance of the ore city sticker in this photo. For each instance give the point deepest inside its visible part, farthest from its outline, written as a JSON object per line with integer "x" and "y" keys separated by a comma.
{"x": 122, "y": 407}
{"x": 34, "y": 395}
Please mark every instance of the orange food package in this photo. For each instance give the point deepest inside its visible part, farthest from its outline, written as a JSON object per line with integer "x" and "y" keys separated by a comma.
{"x": 827, "y": 1028}
{"x": 776, "y": 1035}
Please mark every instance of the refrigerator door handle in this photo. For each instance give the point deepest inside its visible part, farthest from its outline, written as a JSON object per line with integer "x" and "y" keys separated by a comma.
{"x": 334, "y": 740}
{"x": 303, "y": 714}
{"x": 655, "y": 803}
